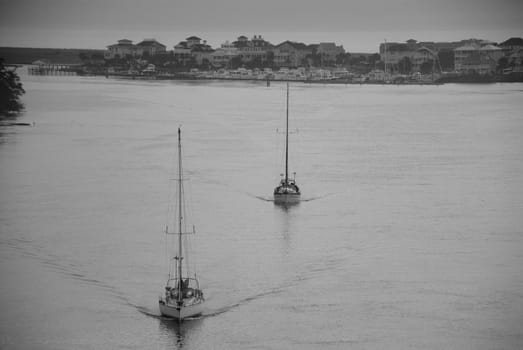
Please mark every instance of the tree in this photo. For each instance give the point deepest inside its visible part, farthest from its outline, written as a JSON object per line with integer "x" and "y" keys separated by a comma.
{"x": 83, "y": 56}
{"x": 502, "y": 64}
{"x": 446, "y": 59}
{"x": 270, "y": 59}
{"x": 405, "y": 65}
{"x": 427, "y": 67}
{"x": 235, "y": 62}
{"x": 374, "y": 61}
{"x": 342, "y": 58}
{"x": 10, "y": 90}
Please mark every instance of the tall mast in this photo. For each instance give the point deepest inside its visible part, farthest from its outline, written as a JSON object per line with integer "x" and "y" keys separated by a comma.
{"x": 180, "y": 258}
{"x": 287, "y": 140}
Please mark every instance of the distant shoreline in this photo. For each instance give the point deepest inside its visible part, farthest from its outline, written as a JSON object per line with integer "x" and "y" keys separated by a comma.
{"x": 25, "y": 56}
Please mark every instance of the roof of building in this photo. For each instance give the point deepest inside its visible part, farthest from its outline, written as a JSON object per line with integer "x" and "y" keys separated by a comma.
{"x": 477, "y": 59}
{"x": 397, "y": 47}
{"x": 295, "y": 45}
{"x": 201, "y": 48}
{"x": 149, "y": 42}
{"x": 182, "y": 44}
{"x": 240, "y": 43}
{"x": 424, "y": 48}
{"x": 468, "y": 47}
{"x": 512, "y": 42}
{"x": 123, "y": 42}
{"x": 128, "y": 46}
{"x": 193, "y": 38}
{"x": 490, "y": 47}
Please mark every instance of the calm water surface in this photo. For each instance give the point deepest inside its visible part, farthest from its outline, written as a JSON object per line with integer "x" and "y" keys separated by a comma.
{"x": 411, "y": 235}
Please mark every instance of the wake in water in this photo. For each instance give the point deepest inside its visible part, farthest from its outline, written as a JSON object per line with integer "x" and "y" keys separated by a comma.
{"x": 271, "y": 199}
{"x": 209, "y": 312}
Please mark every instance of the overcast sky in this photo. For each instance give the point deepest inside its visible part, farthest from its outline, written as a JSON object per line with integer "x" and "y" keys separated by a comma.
{"x": 357, "y": 25}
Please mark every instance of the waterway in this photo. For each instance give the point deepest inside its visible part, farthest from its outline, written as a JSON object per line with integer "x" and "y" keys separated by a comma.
{"x": 410, "y": 234}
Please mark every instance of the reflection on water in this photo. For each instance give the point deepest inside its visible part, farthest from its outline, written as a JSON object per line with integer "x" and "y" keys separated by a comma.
{"x": 178, "y": 333}
{"x": 286, "y": 206}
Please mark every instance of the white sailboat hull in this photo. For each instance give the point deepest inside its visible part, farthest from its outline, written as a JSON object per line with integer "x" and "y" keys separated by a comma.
{"x": 180, "y": 313}
{"x": 286, "y": 198}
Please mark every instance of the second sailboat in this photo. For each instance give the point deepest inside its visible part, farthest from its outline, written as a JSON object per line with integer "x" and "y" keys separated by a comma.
{"x": 287, "y": 191}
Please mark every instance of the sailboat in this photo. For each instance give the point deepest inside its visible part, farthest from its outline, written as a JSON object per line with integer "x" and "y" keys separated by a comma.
{"x": 183, "y": 297}
{"x": 287, "y": 190}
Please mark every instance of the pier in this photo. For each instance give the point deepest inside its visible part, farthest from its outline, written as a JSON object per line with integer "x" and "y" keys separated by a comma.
{"x": 53, "y": 69}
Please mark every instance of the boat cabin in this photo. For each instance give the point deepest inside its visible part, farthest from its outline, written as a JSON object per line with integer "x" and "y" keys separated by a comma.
{"x": 189, "y": 287}
{"x": 287, "y": 187}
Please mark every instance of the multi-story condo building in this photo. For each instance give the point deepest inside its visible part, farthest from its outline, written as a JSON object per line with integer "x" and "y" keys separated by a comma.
{"x": 477, "y": 58}
{"x": 251, "y": 50}
{"x": 123, "y": 48}
{"x": 202, "y": 53}
{"x": 394, "y": 54}
{"x": 223, "y": 55}
{"x": 149, "y": 47}
{"x": 182, "y": 52}
{"x": 291, "y": 54}
{"x": 421, "y": 56}
{"x": 193, "y": 49}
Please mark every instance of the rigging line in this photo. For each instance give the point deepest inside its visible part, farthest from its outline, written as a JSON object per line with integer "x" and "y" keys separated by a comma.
{"x": 168, "y": 242}
{"x": 189, "y": 214}
{"x": 184, "y": 237}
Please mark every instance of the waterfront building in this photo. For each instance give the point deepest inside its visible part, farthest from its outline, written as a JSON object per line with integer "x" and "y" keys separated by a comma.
{"x": 477, "y": 58}
{"x": 515, "y": 60}
{"x": 423, "y": 55}
{"x": 394, "y": 55}
{"x": 125, "y": 48}
{"x": 193, "y": 49}
{"x": 329, "y": 53}
{"x": 417, "y": 53}
{"x": 253, "y": 50}
{"x": 202, "y": 53}
{"x": 122, "y": 49}
{"x": 149, "y": 47}
{"x": 193, "y": 41}
{"x": 182, "y": 52}
{"x": 291, "y": 54}
{"x": 223, "y": 55}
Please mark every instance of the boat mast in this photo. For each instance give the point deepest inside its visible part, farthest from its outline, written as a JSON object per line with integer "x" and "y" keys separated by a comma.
{"x": 385, "y": 63}
{"x": 180, "y": 258}
{"x": 287, "y": 140}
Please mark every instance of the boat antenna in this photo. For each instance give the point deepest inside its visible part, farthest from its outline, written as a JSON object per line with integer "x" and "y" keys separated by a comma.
{"x": 287, "y": 140}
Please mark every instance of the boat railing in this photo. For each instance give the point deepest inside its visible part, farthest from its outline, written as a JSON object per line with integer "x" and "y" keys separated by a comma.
{"x": 172, "y": 283}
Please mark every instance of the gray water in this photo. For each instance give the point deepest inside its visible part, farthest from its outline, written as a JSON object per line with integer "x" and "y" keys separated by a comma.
{"x": 411, "y": 235}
